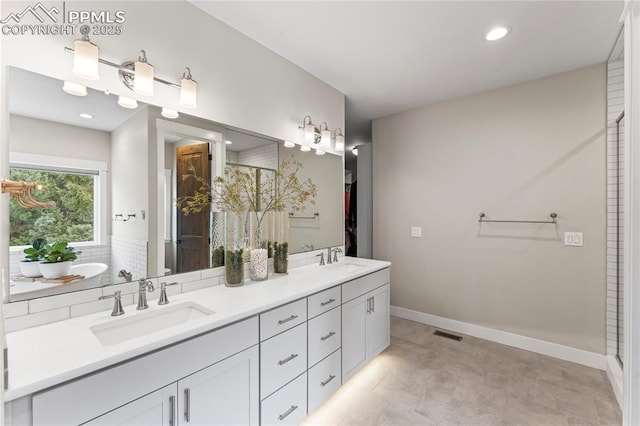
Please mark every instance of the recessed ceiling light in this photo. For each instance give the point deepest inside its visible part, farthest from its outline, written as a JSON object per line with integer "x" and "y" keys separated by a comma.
{"x": 228, "y": 142}
{"x": 125, "y": 102}
{"x": 86, "y": 115}
{"x": 497, "y": 33}
{"x": 289, "y": 144}
{"x": 320, "y": 152}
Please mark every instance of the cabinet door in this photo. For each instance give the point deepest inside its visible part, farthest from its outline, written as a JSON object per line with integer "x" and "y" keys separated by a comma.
{"x": 154, "y": 409}
{"x": 225, "y": 393}
{"x": 378, "y": 321}
{"x": 354, "y": 343}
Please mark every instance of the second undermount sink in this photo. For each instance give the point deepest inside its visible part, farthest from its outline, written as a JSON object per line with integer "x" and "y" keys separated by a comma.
{"x": 124, "y": 329}
{"x": 345, "y": 266}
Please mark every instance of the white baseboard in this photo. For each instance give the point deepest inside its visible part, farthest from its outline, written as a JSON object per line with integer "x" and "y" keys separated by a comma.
{"x": 614, "y": 373}
{"x": 579, "y": 356}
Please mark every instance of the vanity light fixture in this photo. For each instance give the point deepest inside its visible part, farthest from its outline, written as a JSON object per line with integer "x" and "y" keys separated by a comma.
{"x": 129, "y": 103}
{"x": 497, "y": 33}
{"x": 289, "y": 144}
{"x": 86, "y": 115}
{"x": 85, "y": 58}
{"x": 74, "y": 89}
{"x": 188, "y": 90}
{"x": 321, "y": 137}
{"x": 138, "y": 76}
{"x": 143, "y": 75}
{"x": 21, "y": 193}
{"x": 339, "y": 138}
{"x": 325, "y": 136}
{"x": 169, "y": 113}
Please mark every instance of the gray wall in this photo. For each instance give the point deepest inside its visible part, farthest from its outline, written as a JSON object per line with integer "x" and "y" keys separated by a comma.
{"x": 519, "y": 152}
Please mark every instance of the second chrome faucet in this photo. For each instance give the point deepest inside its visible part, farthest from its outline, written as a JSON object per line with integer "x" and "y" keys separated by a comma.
{"x": 144, "y": 286}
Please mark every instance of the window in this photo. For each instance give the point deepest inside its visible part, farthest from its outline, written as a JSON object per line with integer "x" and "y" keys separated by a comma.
{"x": 77, "y": 192}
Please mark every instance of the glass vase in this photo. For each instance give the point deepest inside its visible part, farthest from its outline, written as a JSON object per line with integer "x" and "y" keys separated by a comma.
{"x": 234, "y": 248}
{"x": 261, "y": 229}
{"x": 281, "y": 243}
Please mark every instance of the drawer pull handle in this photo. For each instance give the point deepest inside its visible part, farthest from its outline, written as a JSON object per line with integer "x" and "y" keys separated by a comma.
{"x": 323, "y": 338}
{"x": 326, "y": 382}
{"x": 291, "y": 318}
{"x": 327, "y": 302}
{"x": 187, "y": 405}
{"x": 287, "y": 359}
{"x": 172, "y": 410}
{"x": 286, "y": 413}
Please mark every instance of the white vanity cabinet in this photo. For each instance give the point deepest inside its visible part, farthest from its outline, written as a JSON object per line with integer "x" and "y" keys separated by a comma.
{"x": 365, "y": 320}
{"x": 214, "y": 377}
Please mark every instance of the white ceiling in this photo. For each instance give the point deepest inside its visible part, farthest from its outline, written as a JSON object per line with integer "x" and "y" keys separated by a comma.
{"x": 392, "y": 56}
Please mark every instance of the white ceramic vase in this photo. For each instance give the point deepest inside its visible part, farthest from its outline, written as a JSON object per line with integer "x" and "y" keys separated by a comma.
{"x": 55, "y": 270}
{"x": 30, "y": 269}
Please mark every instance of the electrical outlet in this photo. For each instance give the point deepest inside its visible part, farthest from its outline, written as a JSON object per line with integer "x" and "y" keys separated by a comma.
{"x": 416, "y": 231}
{"x": 573, "y": 239}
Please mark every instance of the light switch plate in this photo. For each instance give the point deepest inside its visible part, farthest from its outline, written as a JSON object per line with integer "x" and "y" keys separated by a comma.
{"x": 416, "y": 231}
{"x": 573, "y": 239}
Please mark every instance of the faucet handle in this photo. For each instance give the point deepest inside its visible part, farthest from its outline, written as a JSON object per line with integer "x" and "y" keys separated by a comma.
{"x": 117, "y": 303}
{"x": 335, "y": 253}
{"x": 321, "y": 258}
{"x": 163, "y": 293}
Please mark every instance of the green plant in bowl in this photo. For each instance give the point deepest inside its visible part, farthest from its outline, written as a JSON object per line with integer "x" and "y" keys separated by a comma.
{"x": 60, "y": 252}
{"x": 37, "y": 251}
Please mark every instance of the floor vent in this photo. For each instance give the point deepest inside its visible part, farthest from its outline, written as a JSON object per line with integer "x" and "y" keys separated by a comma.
{"x": 447, "y": 335}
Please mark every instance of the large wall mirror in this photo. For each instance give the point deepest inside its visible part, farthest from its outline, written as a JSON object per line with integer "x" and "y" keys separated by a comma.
{"x": 115, "y": 173}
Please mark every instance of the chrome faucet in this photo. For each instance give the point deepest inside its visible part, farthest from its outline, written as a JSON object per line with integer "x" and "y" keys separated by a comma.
{"x": 329, "y": 255}
{"x": 126, "y": 275}
{"x": 321, "y": 258}
{"x": 145, "y": 285}
{"x": 335, "y": 253}
{"x": 163, "y": 293}
{"x": 117, "y": 303}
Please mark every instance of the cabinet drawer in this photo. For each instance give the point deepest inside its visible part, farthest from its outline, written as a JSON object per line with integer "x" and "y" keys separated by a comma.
{"x": 283, "y": 318}
{"x": 282, "y": 358}
{"x": 362, "y": 285}
{"x": 324, "y": 335}
{"x": 288, "y": 406}
{"x": 323, "y": 301}
{"x": 324, "y": 380}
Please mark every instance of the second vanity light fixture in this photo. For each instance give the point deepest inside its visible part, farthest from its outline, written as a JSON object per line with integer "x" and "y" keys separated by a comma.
{"x": 319, "y": 138}
{"x": 139, "y": 75}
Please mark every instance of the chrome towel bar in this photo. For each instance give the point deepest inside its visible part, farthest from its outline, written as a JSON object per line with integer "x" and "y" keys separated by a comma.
{"x": 553, "y": 217}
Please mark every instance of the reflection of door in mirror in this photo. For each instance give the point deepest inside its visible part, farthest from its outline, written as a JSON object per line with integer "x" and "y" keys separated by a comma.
{"x": 192, "y": 229}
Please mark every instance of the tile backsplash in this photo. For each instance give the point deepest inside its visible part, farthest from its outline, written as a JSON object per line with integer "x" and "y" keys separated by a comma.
{"x": 31, "y": 313}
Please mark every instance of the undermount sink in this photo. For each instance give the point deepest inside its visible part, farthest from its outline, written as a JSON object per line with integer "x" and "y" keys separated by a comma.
{"x": 124, "y": 329}
{"x": 345, "y": 266}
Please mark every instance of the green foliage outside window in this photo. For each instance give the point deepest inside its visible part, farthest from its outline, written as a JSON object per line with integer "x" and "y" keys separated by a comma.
{"x": 70, "y": 220}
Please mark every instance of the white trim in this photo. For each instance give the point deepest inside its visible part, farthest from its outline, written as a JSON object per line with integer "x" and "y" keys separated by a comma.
{"x": 579, "y": 356}
{"x": 631, "y": 408}
{"x": 614, "y": 373}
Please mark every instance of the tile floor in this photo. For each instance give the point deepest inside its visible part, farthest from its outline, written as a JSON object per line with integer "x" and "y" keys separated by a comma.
{"x": 422, "y": 379}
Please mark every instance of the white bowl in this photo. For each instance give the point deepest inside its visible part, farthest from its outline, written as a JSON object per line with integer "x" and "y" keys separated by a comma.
{"x": 54, "y": 270}
{"x": 30, "y": 269}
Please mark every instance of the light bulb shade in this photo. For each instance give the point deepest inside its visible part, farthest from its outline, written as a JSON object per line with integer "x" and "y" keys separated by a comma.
{"x": 304, "y": 148}
{"x": 339, "y": 143}
{"x": 143, "y": 78}
{"x": 129, "y": 103}
{"x": 169, "y": 113}
{"x": 320, "y": 152}
{"x": 188, "y": 93}
{"x": 85, "y": 60}
{"x": 289, "y": 144}
{"x": 325, "y": 140}
{"x": 309, "y": 133}
{"x": 74, "y": 89}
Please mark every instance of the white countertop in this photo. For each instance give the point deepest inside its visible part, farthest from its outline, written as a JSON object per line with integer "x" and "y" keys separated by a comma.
{"x": 44, "y": 356}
